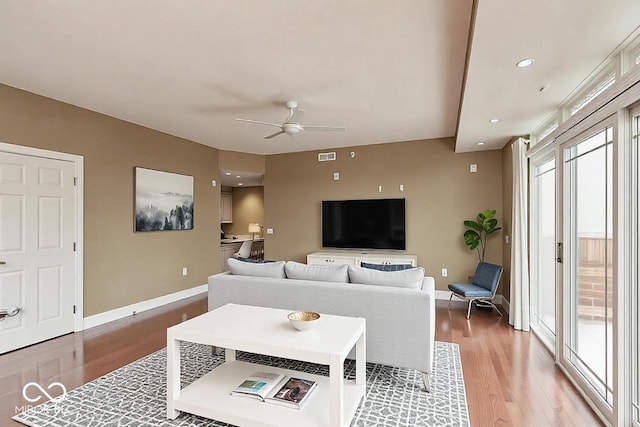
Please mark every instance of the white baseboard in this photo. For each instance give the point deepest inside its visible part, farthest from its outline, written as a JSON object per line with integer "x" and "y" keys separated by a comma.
{"x": 505, "y": 304}
{"x": 498, "y": 299}
{"x": 139, "y": 307}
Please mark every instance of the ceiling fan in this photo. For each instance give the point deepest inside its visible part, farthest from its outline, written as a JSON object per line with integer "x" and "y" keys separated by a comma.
{"x": 292, "y": 125}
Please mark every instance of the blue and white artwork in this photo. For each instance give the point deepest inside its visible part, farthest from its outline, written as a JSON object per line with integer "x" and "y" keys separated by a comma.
{"x": 164, "y": 201}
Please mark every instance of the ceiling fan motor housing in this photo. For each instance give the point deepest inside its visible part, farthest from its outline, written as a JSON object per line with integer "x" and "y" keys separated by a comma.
{"x": 291, "y": 128}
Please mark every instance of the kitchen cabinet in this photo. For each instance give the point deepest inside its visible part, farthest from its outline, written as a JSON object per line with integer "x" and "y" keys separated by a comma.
{"x": 226, "y": 211}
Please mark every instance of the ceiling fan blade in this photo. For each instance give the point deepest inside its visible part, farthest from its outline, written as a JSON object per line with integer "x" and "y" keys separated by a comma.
{"x": 274, "y": 135}
{"x": 295, "y": 115}
{"x": 325, "y": 128}
{"x": 258, "y": 122}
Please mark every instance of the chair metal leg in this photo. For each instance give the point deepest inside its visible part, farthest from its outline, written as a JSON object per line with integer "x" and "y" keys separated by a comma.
{"x": 426, "y": 382}
{"x": 450, "y": 296}
{"x": 469, "y": 309}
{"x": 496, "y": 309}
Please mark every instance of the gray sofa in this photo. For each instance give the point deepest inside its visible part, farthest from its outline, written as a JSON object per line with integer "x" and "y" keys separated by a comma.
{"x": 400, "y": 320}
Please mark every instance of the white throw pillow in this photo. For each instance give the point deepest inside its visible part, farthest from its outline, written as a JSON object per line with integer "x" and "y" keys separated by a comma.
{"x": 323, "y": 273}
{"x": 410, "y": 278}
{"x": 268, "y": 269}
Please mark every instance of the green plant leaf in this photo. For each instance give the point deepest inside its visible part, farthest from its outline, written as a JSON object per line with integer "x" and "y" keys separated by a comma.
{"x": 473, "y": 225}
{"x": 488, "y": 214}
{"x": 471, "y": 239}
{"x": 494, "y": 230}
{"x": 475, "y": 237}
{"x": 490, "y": 225}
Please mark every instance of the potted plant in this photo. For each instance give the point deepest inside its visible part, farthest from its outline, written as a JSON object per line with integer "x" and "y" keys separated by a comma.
{"x": 475, "y": 237}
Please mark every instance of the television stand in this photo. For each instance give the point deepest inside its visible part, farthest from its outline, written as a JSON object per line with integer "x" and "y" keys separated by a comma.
{"x": 356, "y": 257}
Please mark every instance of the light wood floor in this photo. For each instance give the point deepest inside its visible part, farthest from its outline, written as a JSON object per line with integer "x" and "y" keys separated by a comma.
{"x": 510, "y": 378}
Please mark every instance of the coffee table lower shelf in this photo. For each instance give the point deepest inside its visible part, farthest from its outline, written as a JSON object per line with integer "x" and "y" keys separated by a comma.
{"x": 210, "y": 397}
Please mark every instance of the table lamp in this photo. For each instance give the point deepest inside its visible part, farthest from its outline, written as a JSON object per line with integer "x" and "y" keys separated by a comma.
{"x": 254, "y": 228}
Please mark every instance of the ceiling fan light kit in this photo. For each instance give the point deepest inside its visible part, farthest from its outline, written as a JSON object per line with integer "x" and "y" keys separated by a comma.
{"x": 292, "y": 125}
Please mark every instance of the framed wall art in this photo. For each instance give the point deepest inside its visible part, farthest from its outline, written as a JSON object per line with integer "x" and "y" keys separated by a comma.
{"x": 164, "y": 200}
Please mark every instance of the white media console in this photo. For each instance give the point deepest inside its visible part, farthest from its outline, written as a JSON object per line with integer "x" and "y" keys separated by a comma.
{"x": 355, "y": 258}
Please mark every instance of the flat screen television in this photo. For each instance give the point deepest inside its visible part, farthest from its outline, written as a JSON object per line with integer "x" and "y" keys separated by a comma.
{"x": 364, "y": 224}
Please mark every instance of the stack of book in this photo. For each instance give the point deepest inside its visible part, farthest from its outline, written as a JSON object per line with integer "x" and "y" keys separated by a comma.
{"x": 276, "y": 388}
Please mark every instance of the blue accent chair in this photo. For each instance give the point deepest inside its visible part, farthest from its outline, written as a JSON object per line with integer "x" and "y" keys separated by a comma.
{"x": 483, "y": 289}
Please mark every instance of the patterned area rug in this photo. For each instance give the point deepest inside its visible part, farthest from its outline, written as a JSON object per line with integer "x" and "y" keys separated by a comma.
{"x": 135, "y": 395}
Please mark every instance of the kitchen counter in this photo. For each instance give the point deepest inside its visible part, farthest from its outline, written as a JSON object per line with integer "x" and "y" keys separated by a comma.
{"x": 239, "y": 240}
{"x": 230, "y": 246}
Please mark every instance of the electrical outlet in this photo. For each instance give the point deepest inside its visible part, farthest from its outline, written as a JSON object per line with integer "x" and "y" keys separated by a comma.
{"x": 379, "y": 188}
{"x": 213, "y": 183}
{"x": 336, "y": 176}
{"x": 184, "y": 271}
{"x": 506, "y": 239}
{"x": 444, "y": 272}
{"x": 269, "y": 230}
{"x": 401, "y": 187}
{"x": 473, "y": 168}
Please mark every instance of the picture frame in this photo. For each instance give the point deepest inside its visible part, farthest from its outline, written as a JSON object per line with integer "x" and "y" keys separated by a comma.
{"x": 163, "y": 201}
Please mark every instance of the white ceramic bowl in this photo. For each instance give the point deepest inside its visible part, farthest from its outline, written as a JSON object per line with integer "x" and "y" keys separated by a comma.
{"x": 303, "y": 320}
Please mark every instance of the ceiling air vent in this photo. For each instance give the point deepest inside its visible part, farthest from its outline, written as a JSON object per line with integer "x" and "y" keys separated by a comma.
{"x": 325, "y": 157}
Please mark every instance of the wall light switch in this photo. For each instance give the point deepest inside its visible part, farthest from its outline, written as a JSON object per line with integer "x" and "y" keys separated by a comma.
{"x": 444, "y": 272}
{"x": 401, "y": 187}
{"x": 269, "y": 230}
{"x": 473, "y": 168}
{"x": 379, "y": 188}
{"x": 184, "y": 271}
{"x": 213, "y": 183}
{"x": 336, "y": 176}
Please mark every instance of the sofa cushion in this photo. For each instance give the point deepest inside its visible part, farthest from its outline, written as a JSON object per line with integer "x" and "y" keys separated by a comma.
{"x": 410, "y": 278}
{"x": 470, "y": 291}
{"x": 386, "y": 267}
{"x": 323, "y": 273}
{"x": 270, "y": 269}
{"x": 254, "y": 261}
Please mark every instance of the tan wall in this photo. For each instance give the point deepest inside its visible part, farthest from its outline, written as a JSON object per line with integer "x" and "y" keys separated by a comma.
{"x": 122, "y": 267}
{"x": 439, "y": 189}
{"x": 248, "y": 206}
{"x": 241, "y": 162}
{"x": 507, "y": 204}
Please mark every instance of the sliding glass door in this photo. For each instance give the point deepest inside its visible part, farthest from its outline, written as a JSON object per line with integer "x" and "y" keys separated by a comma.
{"x": 634, "y": 275}
{"x": 543, "y": 248}
{"x": 588, "y": 262}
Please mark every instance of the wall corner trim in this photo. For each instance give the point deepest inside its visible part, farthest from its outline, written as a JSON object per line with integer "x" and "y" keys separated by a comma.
{"x": 139, "y": 307}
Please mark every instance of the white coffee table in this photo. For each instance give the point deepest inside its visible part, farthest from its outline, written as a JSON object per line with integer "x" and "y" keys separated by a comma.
{"x": 267, "y": 331}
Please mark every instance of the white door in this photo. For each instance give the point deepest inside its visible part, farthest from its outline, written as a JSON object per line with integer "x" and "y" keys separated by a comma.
{"x": 589, "y": 290}
{"x": 543, "y": 240}
{"x": 37, "y": 259}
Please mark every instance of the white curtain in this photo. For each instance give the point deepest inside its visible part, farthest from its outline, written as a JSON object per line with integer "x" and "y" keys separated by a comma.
{"x": 519, "y": 301}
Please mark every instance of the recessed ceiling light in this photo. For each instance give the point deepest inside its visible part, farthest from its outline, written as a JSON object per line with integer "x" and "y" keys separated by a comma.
{"x": 525, "y": 63}
{"x": 240, "y": 183}
{"x": 494, "y": 120}
{"x": 480, "y": 143}
{"x": 227, "y": 173}
{"x": 238, "y": 176}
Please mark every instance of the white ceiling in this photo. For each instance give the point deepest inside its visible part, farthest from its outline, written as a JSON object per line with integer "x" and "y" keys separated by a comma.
{"x": 387, "y": 70}
{"x": 568, "y": 40}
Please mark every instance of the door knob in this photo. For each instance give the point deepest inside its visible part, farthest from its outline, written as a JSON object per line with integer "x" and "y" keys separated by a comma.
{"x": 8, "y": 312}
